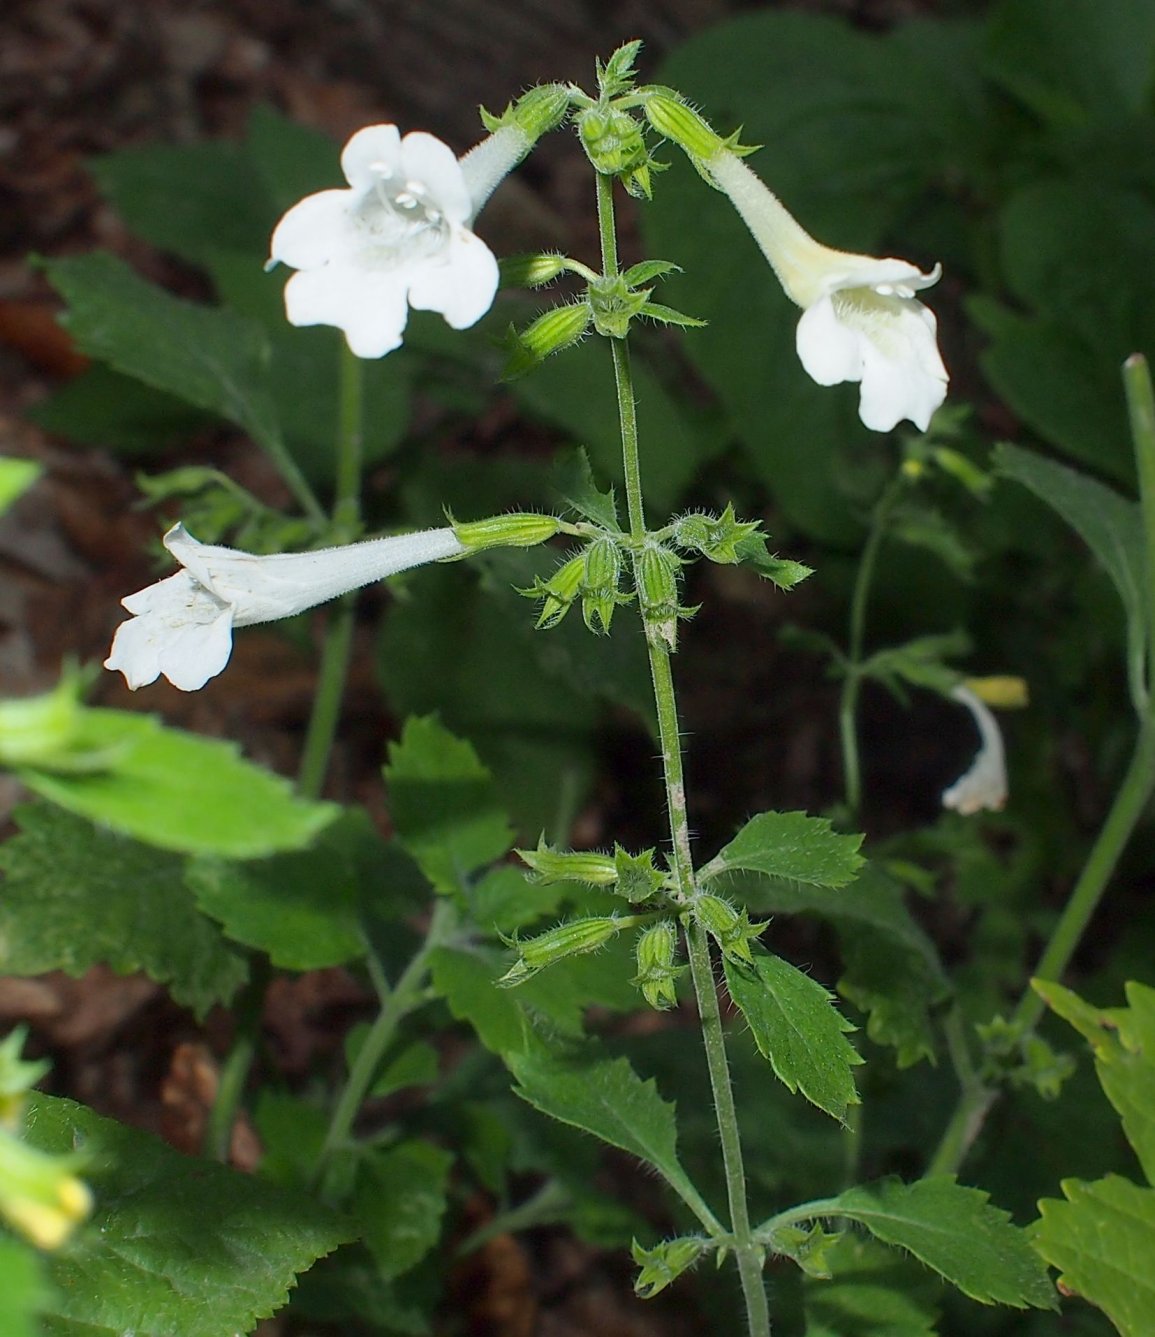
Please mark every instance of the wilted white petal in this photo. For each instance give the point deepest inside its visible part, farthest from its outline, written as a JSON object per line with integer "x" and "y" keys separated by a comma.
{"x": 182, "y": 626}
{"x": 984, "y": 786}
{"x": 398, "y": 237}
{"x": 860, "y": 320}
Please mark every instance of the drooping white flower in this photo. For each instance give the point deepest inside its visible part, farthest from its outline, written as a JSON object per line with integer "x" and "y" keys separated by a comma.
{"x": 183, "y": 626}
{"x": 860, "y": 318}
{"x": 398, "y": 237}
{"x": 985, "y": 784}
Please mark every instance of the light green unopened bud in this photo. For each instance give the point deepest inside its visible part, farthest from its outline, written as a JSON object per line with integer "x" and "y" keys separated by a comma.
{"x": 559, "y": 591}
{"x": 532, "y": 271}
{"x": 674, "y": 120}
{"x": 540, "y": 110}
{"x": 600, "y": 594}
{"x": 523, "y": 529}
{"x": 664, "y": 1263}
{"x": 731, "y": 929}
{"x": 656, "y": 951}
{"x": 717, "y": 537}
{"x": 574, "y": 939}
{"x": 550, "y": 865}
{"x": 657, "y": 576}
{"x": 552, "y": 331}
{"x": 612, "y": 139}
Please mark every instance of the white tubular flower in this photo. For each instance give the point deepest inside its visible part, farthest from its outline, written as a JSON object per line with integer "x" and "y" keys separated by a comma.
{"x": 487, "y": 164}
{"x": 860, "y": 318}
{"x": 985, "y": 784}
{"x": 183, "y": 626}
{"x": 397, "y": 238}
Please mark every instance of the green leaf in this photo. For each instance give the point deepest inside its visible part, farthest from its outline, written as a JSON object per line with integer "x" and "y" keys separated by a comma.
{"x": 23, "y": 1290}
{"x": 574, "y": 483}
{"x": 292, "y": 160}
{"x": 304, "y": 908}
{"x": 16, "y": 477}
{"x": 444, "y": 804}
{"x": 212, "y": 359}
{"x": 104, "y": 408}
{"x": 1102, "y": 1240}
{"x": 1107, "y": 523}
{"x": 1123, "y": 1039}
{"x": 191, "y": 199}
{"x": 179, "y": 791}
{"x": 400, "y": 1199}
{"x": 466, "y": 979}
{"x": 791, "y": 845}
{"x": 176, "y": 1247}
{"x": 955, "y": 1231}
{"x": 798, "y": 1029}
{"x": 1076, "y": 60}
{"x": 608, "y": 1099}
{"x": 872, "y": 1292}
{"x": 74, "y": 895}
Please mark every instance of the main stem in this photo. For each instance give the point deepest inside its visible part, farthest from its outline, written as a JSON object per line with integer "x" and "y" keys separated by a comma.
{"x": 748, "y": 1252}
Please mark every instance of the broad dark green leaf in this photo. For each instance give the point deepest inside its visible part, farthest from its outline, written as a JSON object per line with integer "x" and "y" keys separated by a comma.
{"x": 608, "y": 1099}
{"x": 291, "y": 160}
{"x": 1102, "y": 1240}
{"x": 444, "y": 804}
{"x": 211, "y": 358}
{"x": 955, "y": 1231}
{"x": 798, "y": 1029}
{"x": 179, "y": 791}
{"x": 23, "y": 1290}
{"x": 399, "y": 1200}
{"x": 1073, "y": 61}
{"x": 794, "y": 846}
{"x": 303, "y": 908}
{"x": 74, "y": 895}
{"x": 176, "y": 1247}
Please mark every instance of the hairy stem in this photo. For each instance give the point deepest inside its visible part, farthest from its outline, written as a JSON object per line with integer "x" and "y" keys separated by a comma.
{"x": 747, "y": 1251}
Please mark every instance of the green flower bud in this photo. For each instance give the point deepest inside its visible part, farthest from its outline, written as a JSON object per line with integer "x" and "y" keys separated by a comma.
{"x": 731, "y": 929}
{"x": 657, "y": 577}
{"x": 532, "y": 271}
{"x": 676, "y": 121}
{"x": 718, "y": 537}
{"x": 638, "y": 879}
{"x": 664, "y": 1263}
{"x": 573, "y": 939}
{"x": 600, "y": 594}
{"x": 523, "y": 529}
{"x": 558, "y": 592}
{"x": 614, "y": 304}
{"x": 534, "y": 113}
{"x": 552, "y": 331}
{"x": 550, "y": 865}
{"x": 657, "y": 948}
{"x": 612, "y": 139}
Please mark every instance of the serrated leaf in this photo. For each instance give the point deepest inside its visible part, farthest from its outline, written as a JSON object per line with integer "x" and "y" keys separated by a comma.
{"x": 466, "y": 979}
{"x": 74, "y": 895}
{"x": 1102, "y": 1240}
{"x": 179, "y": 791}
{"x": 574, "y": 483}
{"x": 798, "y": 1029}
{"x": 175, "y": 1247}
{"x": 791, "y": 845}
{"x": 24, "y": 1291}
{"x": 955, "y": 1231}
{"x": 872, "y": 1292}
{"x": 400, "y": 1199}
{"x": 1123, "y": 1039}
{"x": 209, "y": 357}
{"x": 303, "y": 908}
{"x": 608, "y": 1099}
{"x": 16, "y": 477}
{"x": 444, "y": 804}
{"x": 1108, "y": 523}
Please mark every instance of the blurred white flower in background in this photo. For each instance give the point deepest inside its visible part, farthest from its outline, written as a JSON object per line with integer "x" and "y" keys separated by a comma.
{"x": 183, "y": 626}
{"x": 985, "y": 784}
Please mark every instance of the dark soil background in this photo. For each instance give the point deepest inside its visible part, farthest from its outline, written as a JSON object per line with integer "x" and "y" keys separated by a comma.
{"x": 83, "y": 77}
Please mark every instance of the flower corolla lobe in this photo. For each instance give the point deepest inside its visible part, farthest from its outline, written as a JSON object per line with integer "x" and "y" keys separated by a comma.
{"x": 398, "y": 237}
{"x": 182, "y": 627}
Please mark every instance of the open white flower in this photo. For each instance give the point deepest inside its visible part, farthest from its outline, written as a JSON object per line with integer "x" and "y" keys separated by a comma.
{"x": 183, "y": 626}
{"x": 860, "y": 318}
{"x": 398, "y": 237}
{"x": 985, "y": 784}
